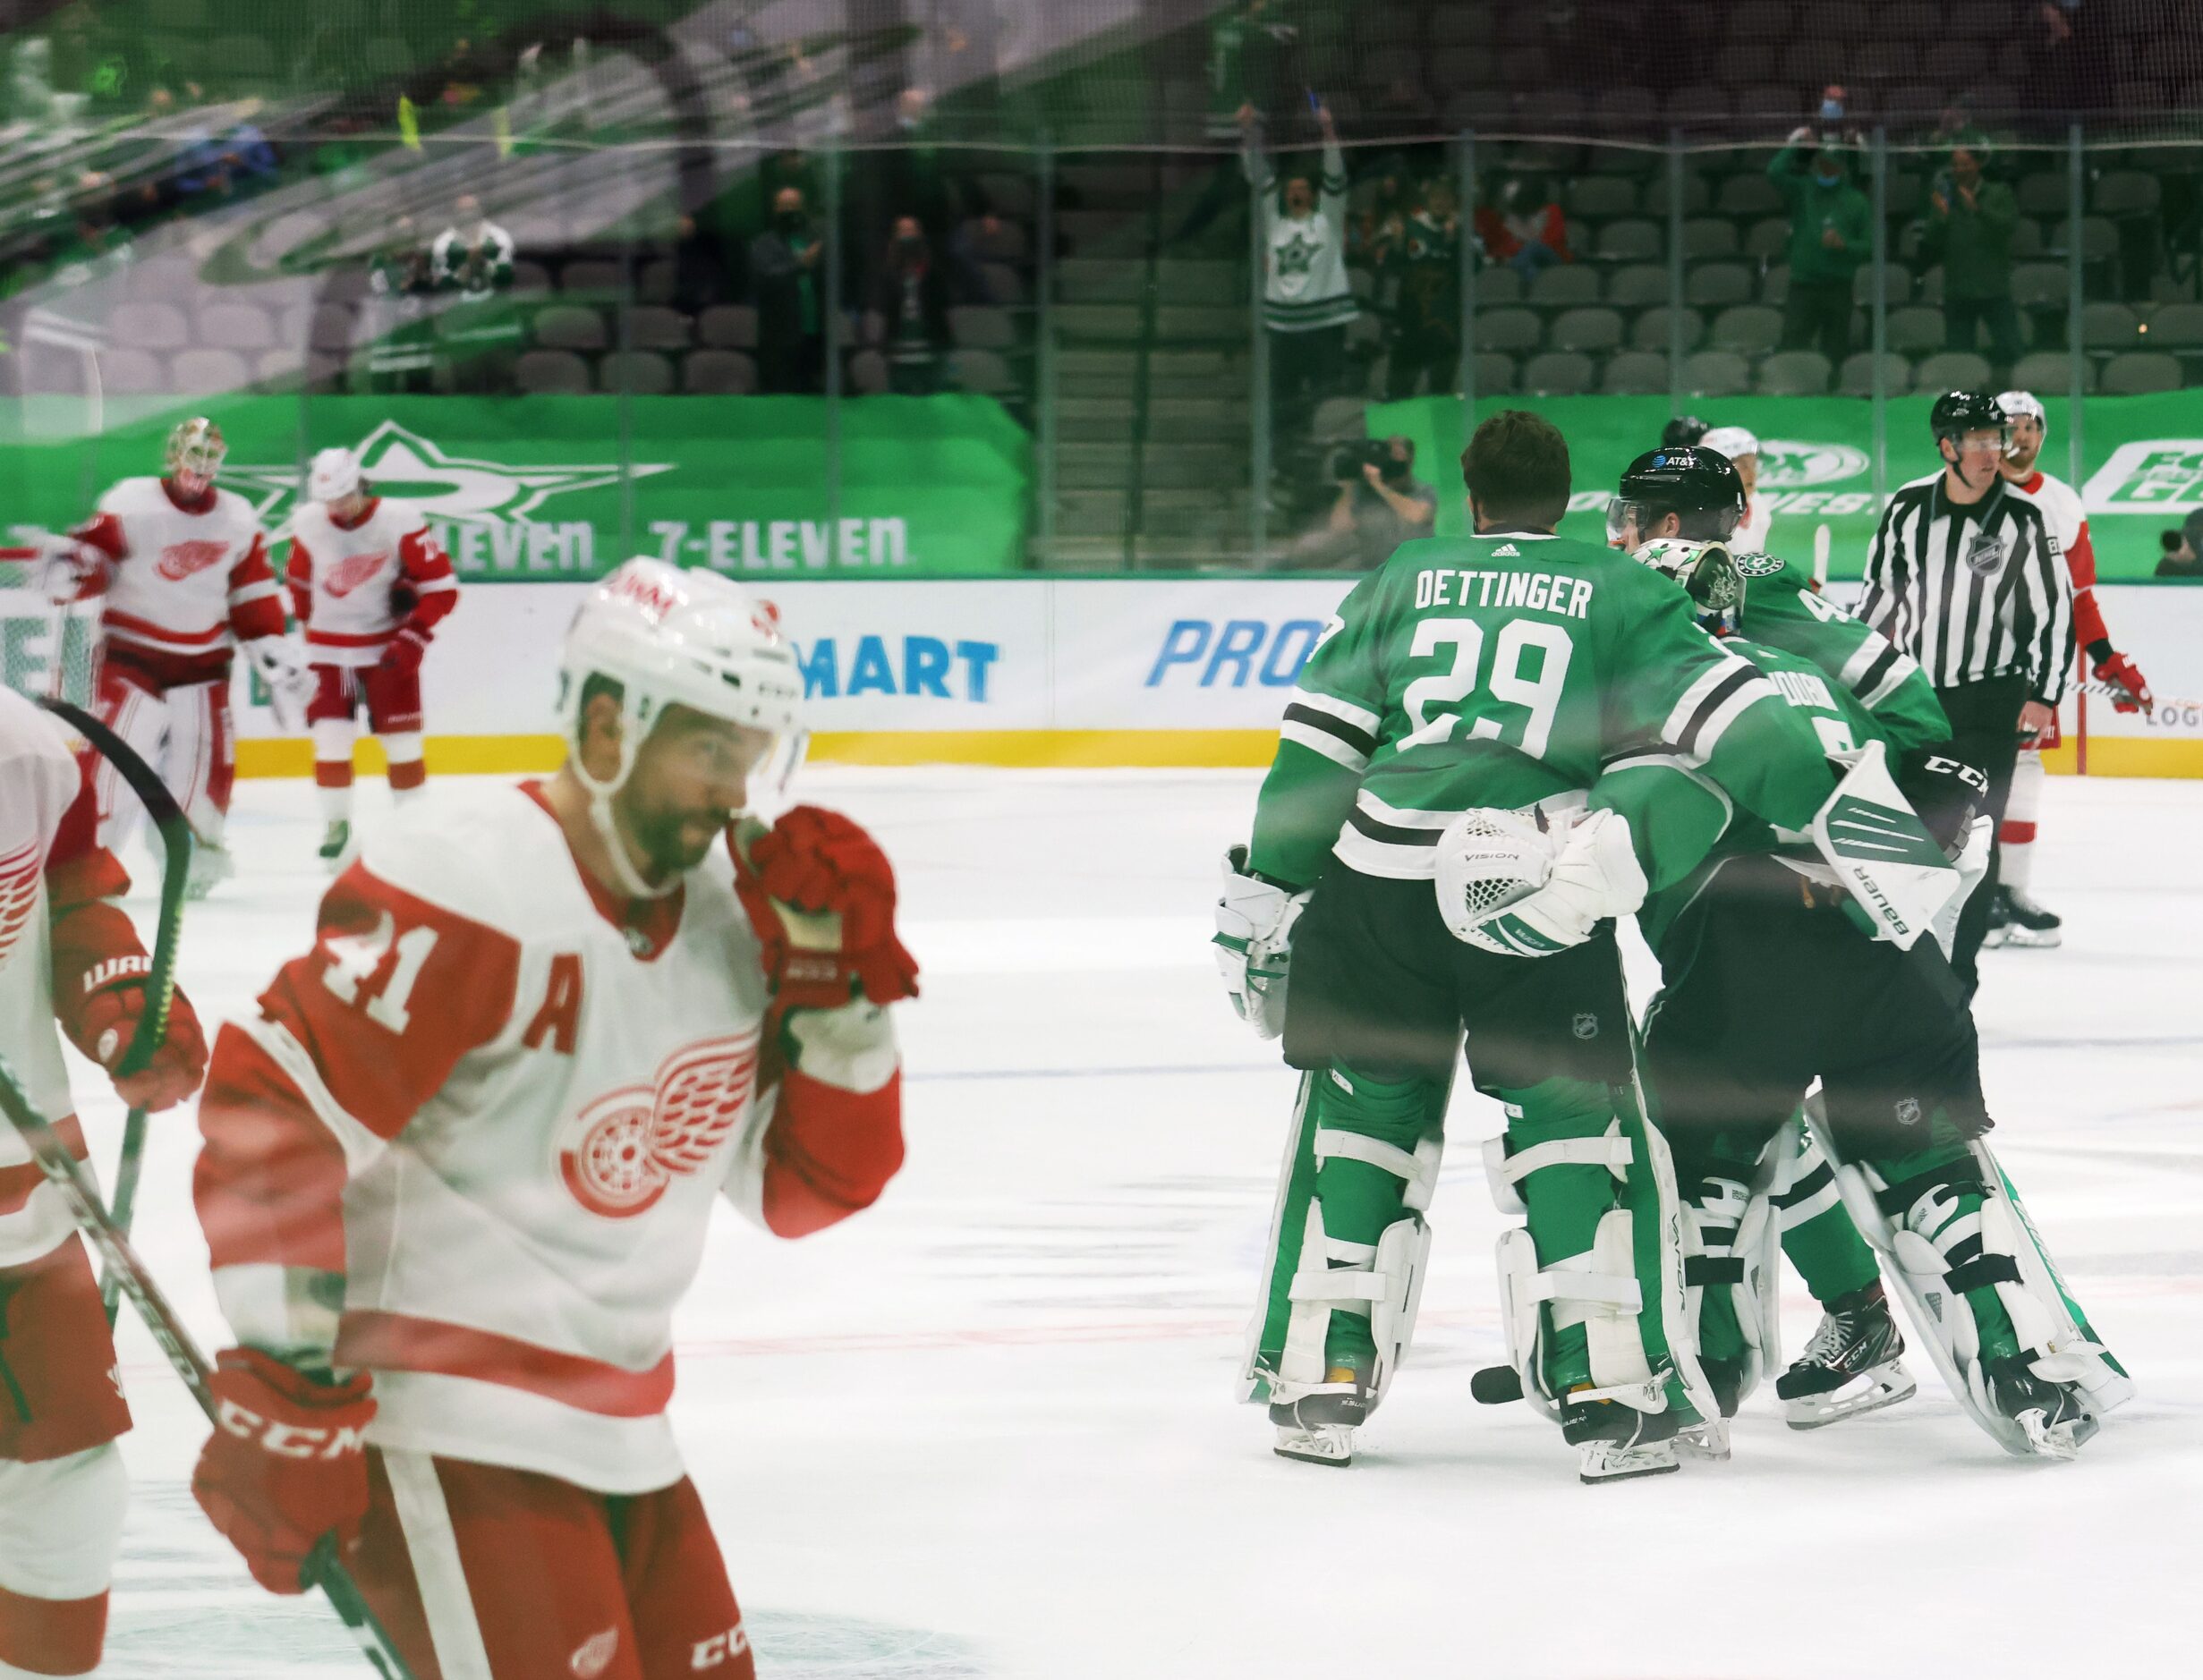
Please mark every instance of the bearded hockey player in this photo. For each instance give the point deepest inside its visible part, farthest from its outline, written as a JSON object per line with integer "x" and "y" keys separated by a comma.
{"x": 68, "y": 956}
{"x": 459, "y": 1169}
{"x": 369, "y": 584}
{"x": 1770, "y": 981}
{"x": 1501, "y": 670}
{"x": 180, "y": 566}
{"x": 2014, "y": 917}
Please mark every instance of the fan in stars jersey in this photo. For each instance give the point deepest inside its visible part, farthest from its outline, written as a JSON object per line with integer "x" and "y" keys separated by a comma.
{"x": 459, "y": 1169}
{"x": 369, "y": 584}
{"x": 180, "y": 566}
{"x": 69, "y": 958}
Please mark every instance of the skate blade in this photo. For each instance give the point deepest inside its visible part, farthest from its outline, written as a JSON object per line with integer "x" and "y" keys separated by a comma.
{"x": 1332, "y": 1447}
{"x": 2021, "y": 938}
{"x": 1707, "y": 1442}
{"x": 2059, "y": 1442}
{"x": 1626, "y": 1467}
{"x": 1817, "y": 1411}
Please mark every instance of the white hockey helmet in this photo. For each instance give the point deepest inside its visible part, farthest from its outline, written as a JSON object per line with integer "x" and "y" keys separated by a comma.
{"x": 335, "y": 474}
{"x": 1733, "y": 441}
{"x": 2018, "y": 403}
{"x": 195, "y": 446}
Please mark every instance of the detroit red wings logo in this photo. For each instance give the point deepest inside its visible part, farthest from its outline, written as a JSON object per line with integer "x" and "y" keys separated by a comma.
{"x": 353, "y": 570}
{"x": 182, "y": 559}
{"x": 19, "y": 891}
{"x": 623, "y": 1149}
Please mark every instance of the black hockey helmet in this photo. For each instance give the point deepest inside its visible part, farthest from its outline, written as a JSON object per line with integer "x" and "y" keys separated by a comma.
{"x": 1958, "y": 412}
{"x": 1697, "y": 485}
{"x": 1682, "y": 431}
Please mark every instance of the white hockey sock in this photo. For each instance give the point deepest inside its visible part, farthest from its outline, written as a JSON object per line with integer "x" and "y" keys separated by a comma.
{"x": 2015, "y": 837}
{"x": 406, "y": 772}
{"x": 335, "y": 803}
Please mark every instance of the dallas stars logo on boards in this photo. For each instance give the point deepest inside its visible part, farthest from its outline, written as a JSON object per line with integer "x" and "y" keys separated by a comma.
{"x": 2161, "y": 475}
{"x": 483, "y": 507}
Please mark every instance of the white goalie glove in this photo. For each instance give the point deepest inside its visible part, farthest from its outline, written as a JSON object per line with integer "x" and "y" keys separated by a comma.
{"x": 66, "y": 567}
{"x": 1521, "y": 883}
{"x": 1254, "y": 944}
{"x": 282, "y": 665}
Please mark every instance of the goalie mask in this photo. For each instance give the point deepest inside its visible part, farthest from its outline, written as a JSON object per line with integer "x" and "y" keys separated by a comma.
{"x": 660, "y": 636}
{"x": 195, "y": 452}
{"x": 1706, "y": 572}
{"x": 1699, "y": 487}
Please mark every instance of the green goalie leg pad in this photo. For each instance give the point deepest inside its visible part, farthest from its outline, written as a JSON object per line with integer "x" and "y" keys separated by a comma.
{"x": 1959, "y": 1206}
{"x": 1567, "y": 1202}
{"x": 1819, "y": 1236}
{"x": 1362, "y": 1158}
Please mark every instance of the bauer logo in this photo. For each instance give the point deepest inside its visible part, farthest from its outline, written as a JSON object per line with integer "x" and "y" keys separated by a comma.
{"x": 1788, "y": 465}
{"x": 2162, "y": 475}
{"x": 1202, "y": 653}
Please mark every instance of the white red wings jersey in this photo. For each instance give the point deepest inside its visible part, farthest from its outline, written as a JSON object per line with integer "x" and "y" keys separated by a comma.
{"x": 42, "y": 799}
{"x": 503, "y": 1104}
{"x": 351, "y": 586}
{"x": 184, "y": 583}
{"x": 2068, "y": 517}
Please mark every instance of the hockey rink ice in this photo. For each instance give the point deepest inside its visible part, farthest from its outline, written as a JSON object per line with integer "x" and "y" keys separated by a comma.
{"x": 988, "y": 1428}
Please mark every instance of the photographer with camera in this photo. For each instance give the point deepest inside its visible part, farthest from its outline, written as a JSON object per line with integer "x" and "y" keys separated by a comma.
{"x": 1381, "y": 504}
{"x": 2183, "y": 556}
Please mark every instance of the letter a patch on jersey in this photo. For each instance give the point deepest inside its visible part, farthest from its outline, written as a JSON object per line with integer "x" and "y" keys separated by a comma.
{"x": 559, "y": 1018}
{"x": 620, "y": 1152}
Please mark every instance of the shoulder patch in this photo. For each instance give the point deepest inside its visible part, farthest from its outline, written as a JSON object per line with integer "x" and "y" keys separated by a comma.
{"x": 1757, "y": 565}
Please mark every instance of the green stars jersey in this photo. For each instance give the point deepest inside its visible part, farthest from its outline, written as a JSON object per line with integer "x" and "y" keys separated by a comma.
{"x": 1782, "y": 609}
{"x": 1678, "y": 812}
{"x": 1502, "y": 670}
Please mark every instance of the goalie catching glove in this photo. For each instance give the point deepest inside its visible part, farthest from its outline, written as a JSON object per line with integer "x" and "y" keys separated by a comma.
{"x": 1521, "y": 883}
{"x": 1254, "y": 942}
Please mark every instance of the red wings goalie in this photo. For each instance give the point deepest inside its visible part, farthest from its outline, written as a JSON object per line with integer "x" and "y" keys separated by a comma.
{"x": 181, "y": 568}
{"x": 369, "y": 585}
{"x": 69, "y": 957}
{"x": 459, "y": 1170}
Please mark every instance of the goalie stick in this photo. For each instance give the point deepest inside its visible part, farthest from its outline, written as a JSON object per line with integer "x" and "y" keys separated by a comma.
{"x": 183, "y": 1355}
{"x": 160, "y": 979}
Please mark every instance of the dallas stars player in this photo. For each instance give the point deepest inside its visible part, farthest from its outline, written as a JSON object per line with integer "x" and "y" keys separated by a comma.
{"x": 1769, "y": 981}
{"x": 1497, "y": 671}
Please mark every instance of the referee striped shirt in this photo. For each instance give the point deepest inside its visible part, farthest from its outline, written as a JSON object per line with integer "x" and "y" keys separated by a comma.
{"x": 1972, "y": 592}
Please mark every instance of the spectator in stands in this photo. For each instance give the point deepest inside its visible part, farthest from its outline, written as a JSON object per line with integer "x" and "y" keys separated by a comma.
{"x": 2183, "y": 549}
{"x": 1831, "y": 233}
{"x": 1381, "y": 504}
{"x": 1423, "y": 257}
{"x": 910, "y": 311}
{"x": 784, "y": 268}
{"x": 1968, "y": 231}
{"x": 241, "y": 159}
{"x": 939, "y": 187}
{"x": 401, "y": 266}
{"x": 1525, "y": 229}
{"x": 473, "y": 257}
{"x": 1307, "y": 303}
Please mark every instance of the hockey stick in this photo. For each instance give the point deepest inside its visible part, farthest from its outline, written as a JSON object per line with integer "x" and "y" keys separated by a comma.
{"x": 53, "y": 1159}
{"x": 160, "y": 979}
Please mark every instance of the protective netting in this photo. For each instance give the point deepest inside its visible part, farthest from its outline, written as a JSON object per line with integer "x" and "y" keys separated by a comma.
{"x": 44, "y": 649}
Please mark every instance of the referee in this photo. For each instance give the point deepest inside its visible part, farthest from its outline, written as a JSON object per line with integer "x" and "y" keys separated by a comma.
{"x": 1966, "y": 576}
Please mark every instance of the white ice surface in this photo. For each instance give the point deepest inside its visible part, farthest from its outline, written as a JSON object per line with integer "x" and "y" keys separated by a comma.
{"x": 987, "y": 1427}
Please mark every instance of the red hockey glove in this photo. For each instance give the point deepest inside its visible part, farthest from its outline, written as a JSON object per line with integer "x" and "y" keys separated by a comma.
{"x": 822, "y": 866}
{"x": 286, "y": 1463}
{"x": 2119, "y": 672}
{"x": 404, "y": 651}
{"x": 100, "y": 1017}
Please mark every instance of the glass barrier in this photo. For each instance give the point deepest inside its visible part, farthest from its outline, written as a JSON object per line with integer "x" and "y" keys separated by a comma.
{"x": 772, "y": 305}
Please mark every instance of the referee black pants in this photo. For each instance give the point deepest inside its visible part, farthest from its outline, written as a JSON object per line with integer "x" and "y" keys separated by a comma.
{"x": 1985, "y": 733}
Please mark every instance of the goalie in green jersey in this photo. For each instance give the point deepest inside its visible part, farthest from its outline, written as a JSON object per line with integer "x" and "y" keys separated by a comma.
{"x": 1771, "y": 980}
{"x": 1503, "y": 671}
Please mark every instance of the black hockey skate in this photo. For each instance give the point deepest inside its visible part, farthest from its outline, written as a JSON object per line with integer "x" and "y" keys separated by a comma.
{"x": 1616, "y": 1442}
{"x": 2053, "y": 1416}
{"x": 1318, "y": 1428}
{"x": 2017, "y": 920}
{"x": 1850, "y": 1367}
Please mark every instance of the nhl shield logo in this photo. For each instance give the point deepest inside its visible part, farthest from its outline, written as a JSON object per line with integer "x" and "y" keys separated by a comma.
{"x": 1985, "y": 554}
{"x": 1909, "y": 1112}
{"x": 1586, "y": 1026}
